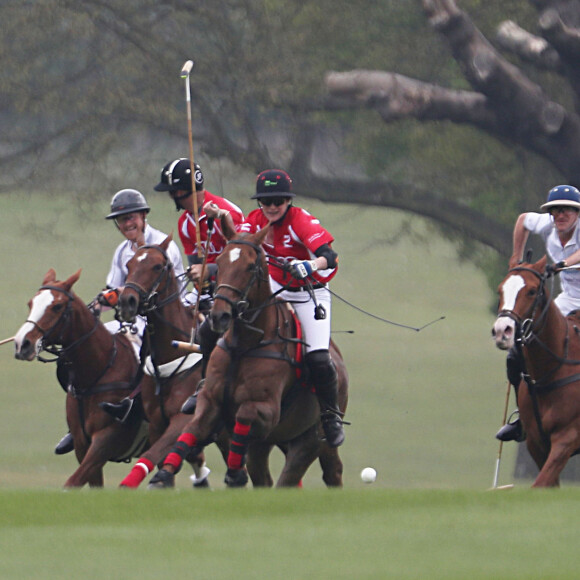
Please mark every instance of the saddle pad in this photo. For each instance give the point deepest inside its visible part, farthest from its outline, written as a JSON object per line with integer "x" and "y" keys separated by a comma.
{"x": 183, "y": 363}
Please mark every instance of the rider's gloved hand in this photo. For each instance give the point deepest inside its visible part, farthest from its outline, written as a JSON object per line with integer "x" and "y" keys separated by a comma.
{"x": 108, "y": 297}
{"x": 301, "y": 269}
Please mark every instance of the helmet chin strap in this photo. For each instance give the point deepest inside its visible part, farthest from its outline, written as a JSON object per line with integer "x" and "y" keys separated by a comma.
{"x": 178, "y": 198}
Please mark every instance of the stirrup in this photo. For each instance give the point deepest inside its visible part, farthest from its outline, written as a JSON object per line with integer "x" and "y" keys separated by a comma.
{"x": 512, "y": 430}
{"x": 118, "y": 410}
{"x": 65, "y": 445}
{"x": 332, "y": 426}
{"x": 188, "y": 408}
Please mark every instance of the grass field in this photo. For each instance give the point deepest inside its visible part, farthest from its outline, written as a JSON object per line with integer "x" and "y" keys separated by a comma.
{"x": 424, "y": 408}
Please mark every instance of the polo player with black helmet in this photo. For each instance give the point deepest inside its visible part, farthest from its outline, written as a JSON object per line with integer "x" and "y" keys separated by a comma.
{"x": 129, "y": 211}
{"x": 297, "y": 240}
{"x": 559, "y": 230}
{"x": 176, "y": 180}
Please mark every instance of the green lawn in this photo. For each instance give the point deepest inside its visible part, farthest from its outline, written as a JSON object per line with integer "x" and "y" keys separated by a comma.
{"x": 424, "y": 408}
{"x": 293, "y": 534}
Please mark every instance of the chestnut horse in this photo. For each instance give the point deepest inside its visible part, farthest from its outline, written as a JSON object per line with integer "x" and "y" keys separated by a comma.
{"x": 102, "y": 367}
{"x": 549, "y": 398}
{"x": 152, "y": 290}
{"x": 252, "y": 385}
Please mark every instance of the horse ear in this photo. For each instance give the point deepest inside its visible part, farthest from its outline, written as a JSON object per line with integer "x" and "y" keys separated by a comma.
{"x": 540, "y": 265}
{"x": 261, "y": 235}
{"x": 69, "y": 283}
{"x": 49, "y": 277}
{"x": 227, "y": 230}
{"x": 165, "y": 243}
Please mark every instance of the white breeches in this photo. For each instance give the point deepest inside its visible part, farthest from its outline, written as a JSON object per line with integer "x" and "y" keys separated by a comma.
{"x": 566, "y": 304}
{"x": 316, "y": 333}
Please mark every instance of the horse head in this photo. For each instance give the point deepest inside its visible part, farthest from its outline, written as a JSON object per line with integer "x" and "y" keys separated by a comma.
{"x": 148, "y": 276}
{"x": 50, "y": 308}
{"x": 520, "y": 294}
{"x": 242, "y": 279}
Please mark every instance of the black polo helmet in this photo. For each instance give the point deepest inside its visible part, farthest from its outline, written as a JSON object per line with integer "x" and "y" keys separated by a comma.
{"x": 273, "y": 183}
{"x": 176, "y": 175}
{"x": 127, "y": 201}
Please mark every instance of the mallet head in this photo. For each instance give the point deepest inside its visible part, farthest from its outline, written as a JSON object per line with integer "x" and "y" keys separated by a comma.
{"x": 186, "y": 69}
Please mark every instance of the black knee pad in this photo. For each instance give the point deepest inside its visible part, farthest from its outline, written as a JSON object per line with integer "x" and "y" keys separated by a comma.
{"x": 321, "y": 367}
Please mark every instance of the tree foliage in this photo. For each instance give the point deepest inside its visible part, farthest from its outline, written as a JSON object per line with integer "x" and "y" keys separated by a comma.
{"x": 488, "y": 128}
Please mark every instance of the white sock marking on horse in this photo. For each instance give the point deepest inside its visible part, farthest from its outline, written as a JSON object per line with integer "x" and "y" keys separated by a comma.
{"x": 235, "y": 254}
{"x": 511, "y": 288}
{"x": 39, "y": 305}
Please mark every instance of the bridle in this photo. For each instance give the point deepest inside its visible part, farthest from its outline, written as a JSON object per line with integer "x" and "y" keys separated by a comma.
{"x": 531, "y": 325}
{"x": 63, "y": 320}
{"x": 241, "y": 306}
{"x": 149, "y": 299}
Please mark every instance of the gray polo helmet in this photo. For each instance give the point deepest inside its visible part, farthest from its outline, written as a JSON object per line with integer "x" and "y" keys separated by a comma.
{"x": 127, "y": 201}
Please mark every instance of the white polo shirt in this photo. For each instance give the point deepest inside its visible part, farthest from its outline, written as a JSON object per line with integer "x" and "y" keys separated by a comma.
{"x": 543, "y": 225}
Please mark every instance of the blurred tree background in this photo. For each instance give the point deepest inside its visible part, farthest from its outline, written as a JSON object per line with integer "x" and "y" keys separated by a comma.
{"x": 92, "y": 102}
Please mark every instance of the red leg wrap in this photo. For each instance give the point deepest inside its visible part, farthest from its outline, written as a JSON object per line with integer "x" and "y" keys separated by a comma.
{"x": 182, "y": 447}
{"x": 238, "y": 446}
{"x": 140, "y": 471}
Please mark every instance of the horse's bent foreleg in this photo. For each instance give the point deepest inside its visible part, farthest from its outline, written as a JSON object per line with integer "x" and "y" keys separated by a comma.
{"x": 91, "y": 465}
{"x": 258, "y": 464}
{"x": 331, "y": 465}
{"x": 560, "y": 452}
{"x": 155, "y": 454}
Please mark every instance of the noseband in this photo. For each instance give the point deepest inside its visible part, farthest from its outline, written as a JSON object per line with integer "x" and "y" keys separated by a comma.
{"x": 525, "y": 327}
{"x": 241, "y": 306}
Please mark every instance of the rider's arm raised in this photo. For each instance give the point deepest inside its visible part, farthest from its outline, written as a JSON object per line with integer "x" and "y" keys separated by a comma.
{"x": 520, "y": 237}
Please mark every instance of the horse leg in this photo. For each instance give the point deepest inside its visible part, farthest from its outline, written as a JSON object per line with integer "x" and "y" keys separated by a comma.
{"x": 563, "y": 445}
{"x": 158, "y": 451}
{"x": 91, "y": 462}
{"x": 301, "y": 453}
{"x": 194, "y": 437}
{"x": 331, "y": 465}
{"x": 258, "y": 464}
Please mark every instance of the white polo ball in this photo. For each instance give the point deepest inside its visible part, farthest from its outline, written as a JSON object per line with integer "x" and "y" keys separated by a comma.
{"x": 368, "y": 475}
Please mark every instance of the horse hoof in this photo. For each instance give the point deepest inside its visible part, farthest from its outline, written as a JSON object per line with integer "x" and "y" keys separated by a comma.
{"x": 236, "y": 478}
{"x": 163, "y": 479}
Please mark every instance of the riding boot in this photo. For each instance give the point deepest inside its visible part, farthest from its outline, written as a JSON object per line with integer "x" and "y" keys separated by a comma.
{"x": 65, "y": 445}
{"x": 513, "y": 429}
{"x": 207, "y": 341}
{"x": 119, "y": 410}
{"x": 324, "y": 378}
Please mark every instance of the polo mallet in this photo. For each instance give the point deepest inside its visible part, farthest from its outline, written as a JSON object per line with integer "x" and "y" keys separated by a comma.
{"x": 6, "y": 340}
{"x": 498, "y": 460}
{"x": 210, "y": 222}
{"x": 185, "y": 72}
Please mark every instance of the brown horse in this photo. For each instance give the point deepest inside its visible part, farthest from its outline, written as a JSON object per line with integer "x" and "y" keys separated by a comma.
{"x": 549, "y": 400}
{"x": 152, "y": 290}
{"x": 252, "y": 386}
{"x": 102, "y": 367}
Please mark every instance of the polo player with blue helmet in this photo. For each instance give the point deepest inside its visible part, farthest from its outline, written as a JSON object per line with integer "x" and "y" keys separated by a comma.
{"x": 558, "y": 227}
